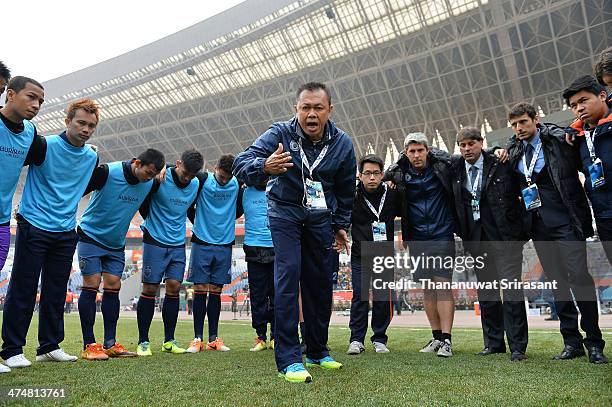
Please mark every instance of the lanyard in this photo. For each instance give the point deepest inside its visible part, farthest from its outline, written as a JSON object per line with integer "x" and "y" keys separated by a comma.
{"x": 317, "y": 161}
{"x": 529, "y": 171}
{"x": 590, "y": 145}
{"x": 474, "y": 188}
{"x": 380, "y": 206}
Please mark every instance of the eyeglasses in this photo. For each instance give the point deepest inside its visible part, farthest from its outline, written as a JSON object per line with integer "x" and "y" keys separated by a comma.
{"x": 370, "y": 173}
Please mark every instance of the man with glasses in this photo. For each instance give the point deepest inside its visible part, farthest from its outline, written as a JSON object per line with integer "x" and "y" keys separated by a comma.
{"x": 372, "y": 221}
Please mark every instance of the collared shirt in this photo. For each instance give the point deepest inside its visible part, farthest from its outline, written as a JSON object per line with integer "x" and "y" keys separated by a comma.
{"x": 478, "y": 164}
{"x": 540, "y": 161}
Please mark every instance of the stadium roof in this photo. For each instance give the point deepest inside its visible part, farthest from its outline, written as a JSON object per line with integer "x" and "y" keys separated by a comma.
{"x": 394, "y": 66}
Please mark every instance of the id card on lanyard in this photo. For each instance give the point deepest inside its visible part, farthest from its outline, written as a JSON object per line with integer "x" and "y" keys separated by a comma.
{"x": 315, "y": 196}
{"x": 475, "y": 204}
{"x": 379, "y": 229}
{"x": 531, "y": 194}
{"x": 596, "y": 172}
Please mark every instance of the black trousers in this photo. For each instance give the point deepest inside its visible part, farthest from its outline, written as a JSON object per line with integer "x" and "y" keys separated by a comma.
{"x": 37, "y": 250}
{"x": 604, "y": 230}
{"x": 564, "y": 261}
{"x": 382, "y": 310}
{"x": 261, "y": 290}
{"x": 501, "y": 311}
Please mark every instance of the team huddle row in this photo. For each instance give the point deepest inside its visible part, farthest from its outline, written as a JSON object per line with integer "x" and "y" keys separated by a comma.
{"x": 295, "y": 186}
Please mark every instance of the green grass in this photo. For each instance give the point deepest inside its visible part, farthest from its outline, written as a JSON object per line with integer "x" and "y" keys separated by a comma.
{"x": 403, "y": 377}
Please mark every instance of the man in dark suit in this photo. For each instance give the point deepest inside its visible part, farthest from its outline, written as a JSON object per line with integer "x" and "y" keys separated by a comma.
{"x": 559, "y": 222}
{"x": 487, "y": 206}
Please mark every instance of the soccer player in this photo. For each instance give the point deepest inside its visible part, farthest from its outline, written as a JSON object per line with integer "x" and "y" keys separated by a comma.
{"x": 19, "y": 142}
{"x": 165, "y": 214}
{"x": 213, "y": 216}
{"x": 46, "y": 238}
{"x": 259, "y": 255}
{"x": 119, "y": 190}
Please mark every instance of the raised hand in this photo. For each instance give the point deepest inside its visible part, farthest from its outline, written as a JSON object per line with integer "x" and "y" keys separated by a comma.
{"x": 279, "y": 162}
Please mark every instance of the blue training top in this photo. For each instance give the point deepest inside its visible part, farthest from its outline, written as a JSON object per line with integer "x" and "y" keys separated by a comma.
{"x": 216, "y": 211}
{"x": 53, "y": 189}
{"x": 256, "y": 223}
{"x": 13, "y": 152}
{"x": 110, "y": 210}
{"x": 168, "y": 211}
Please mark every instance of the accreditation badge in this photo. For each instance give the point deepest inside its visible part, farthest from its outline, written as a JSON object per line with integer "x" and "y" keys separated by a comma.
{"x": 315, "y": 197}
{"x": 531, "y": 197}
{"x": 597, "y": 174}
{"x": 476, "y": 208}
{"x": 379, "y": 231}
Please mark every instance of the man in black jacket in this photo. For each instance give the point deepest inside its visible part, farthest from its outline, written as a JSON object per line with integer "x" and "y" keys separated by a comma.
{"x": 428, "y": 224}
{"x": 487, "y": 206}
{"x": 372, "y": 221}
{"x": 559, "y": 220}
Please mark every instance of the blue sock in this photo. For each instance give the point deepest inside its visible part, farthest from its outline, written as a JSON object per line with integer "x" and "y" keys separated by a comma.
{"x": 144, "y": 316}
{"x": 213, "y": 310}
{"x": 110, "y": 313}
{"x": 199, "y": 312}
{"x": 170, "y": 315}
{"x": 87, "y": 314}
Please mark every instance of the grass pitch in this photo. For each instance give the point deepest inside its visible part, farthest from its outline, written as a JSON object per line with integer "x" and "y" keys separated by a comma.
{"x": 242, "y": 378}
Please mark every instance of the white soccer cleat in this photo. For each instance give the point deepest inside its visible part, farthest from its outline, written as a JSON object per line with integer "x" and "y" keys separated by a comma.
{"x": 57, "y": 355}
{"x": 4, "y": 369}
{"x": 18, "y": 361}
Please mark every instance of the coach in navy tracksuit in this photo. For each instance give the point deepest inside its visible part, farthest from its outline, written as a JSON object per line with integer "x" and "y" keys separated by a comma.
{"x": 312, "y": 167}
{"x": 46, "y": 238}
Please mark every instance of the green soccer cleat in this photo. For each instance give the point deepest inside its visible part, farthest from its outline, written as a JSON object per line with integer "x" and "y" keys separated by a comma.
{"x": 172, "y": 347}
{"x": 144, "y": 349}
{"x": 296, "y": 373}
{"x": 326, "y": 363}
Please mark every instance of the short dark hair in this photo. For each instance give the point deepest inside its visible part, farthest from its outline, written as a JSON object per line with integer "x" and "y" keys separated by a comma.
{"x": 312, "y": 86}
{"x": 372, "y": 159}
{"x": 469, "y": 133}
{"x": 18, "y": 83}
{"x": 584, "y": 83}
{"x": 152, "y": 156}
{"x": 226, "y": 162}
{"x": 5, "y": 73}
{"x": 604, "y": 66}
{"x": 522, "y": 108}
{"x": 192, "y": 160}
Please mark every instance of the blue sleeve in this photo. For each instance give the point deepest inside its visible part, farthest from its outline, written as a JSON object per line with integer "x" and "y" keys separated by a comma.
{"x": 344, "y": 189}
{"x": 249, "y": 165}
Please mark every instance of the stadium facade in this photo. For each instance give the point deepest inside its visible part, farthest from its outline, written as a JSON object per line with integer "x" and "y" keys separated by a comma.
{"x": 394, "y": 66}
